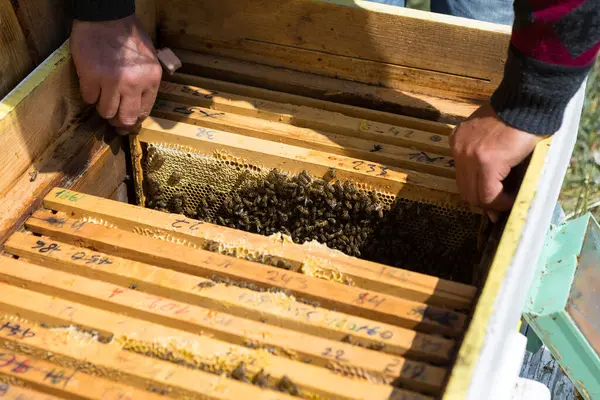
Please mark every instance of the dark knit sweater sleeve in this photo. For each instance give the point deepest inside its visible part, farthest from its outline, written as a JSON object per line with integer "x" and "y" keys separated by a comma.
{"x": 553, "y": 46}
{"x": 101, "y": 10}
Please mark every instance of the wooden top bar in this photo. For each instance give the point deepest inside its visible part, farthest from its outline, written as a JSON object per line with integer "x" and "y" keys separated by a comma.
{"x": 402, "y": 312}
{"x": 178, "y": 229}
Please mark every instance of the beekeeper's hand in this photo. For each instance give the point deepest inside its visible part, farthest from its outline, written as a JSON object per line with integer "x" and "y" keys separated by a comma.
{"x": 118, "y": 69}
{"x": 485, "y": 149}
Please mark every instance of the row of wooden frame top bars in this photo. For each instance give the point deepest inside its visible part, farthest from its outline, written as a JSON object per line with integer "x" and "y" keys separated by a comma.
{"x": 136, "y": 282}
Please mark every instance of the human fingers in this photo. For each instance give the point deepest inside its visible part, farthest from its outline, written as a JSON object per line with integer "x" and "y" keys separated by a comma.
{"x": 108, "y": 105}
{"x": 466, "y": 168}
{"x": 148, "y": 99}
{"x": 129, "y": 110}
{"x": 492, "y": 195}
{"x": 90, "y": 90}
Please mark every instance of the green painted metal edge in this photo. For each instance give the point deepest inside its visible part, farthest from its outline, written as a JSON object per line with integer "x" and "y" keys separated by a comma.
{"x": 548, "y": 299}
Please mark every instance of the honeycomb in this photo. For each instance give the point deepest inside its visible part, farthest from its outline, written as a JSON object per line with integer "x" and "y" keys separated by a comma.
{"x": 346, "y": 216}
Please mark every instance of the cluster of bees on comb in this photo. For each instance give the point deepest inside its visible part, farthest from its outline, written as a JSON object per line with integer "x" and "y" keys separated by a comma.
{"x": 338, "y": 214}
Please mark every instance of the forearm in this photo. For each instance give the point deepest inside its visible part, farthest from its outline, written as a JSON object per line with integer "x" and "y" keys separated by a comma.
{"x": 101, "y": 10}
{"x": 553, "y": 47}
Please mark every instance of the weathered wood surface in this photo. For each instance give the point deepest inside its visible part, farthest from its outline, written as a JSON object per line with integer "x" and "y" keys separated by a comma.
{"x": 15, "y": 61}
{"x": 62, "y": 164}
{"x": 408, "y": 157}
{"x": 301, "y": 101}
{"x": 379, "y": 177}
{"x": 271, "y": 308}
{"x": 77, "y": 348}
{"x": 10, "y": 391}
{"x": 414, "y": 104}
{"x": 318, "y": 260}
{"x": 304, "y": 116}
{"x": 541, "y": 367}
{"x": 355, "y": 301}
{"x": 36, "y": 113}
{"x": 227, "y": 333}
{"x": 354, "y": 40}
{"x": 45, "y": 25}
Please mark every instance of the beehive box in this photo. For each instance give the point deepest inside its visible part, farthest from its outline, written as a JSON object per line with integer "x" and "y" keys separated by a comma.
{"x": 294, "y": 227}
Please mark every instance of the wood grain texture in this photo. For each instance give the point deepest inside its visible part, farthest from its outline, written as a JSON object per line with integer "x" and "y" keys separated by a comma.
{"x": 324, "y": 105}
{"x": 389, "y": 180}
{"x": 304, "y": 116}
{"x": 56, "y": 380}
{"x": 136, "y": 154}
{"x": 269, "y": 308}
{"x": 15, "y": 61}
{"x": 121, "y": 194}
{"x": 542, "y": 367}
{"x": 62, "y": 164}
{"x": 414, "y": 104}
{"x": 388, "y": 47}
{"x": 408, "y": 157}
{"x": 36, "y": 113}
{"x": 10, "y": 391}
{"x": 46, "y": 25}
{"x": 355, "y": 301}
{"x": 308, "y": 378}
{"x": 117, "y": 364}
{"x": 106, "y": 172}
{"x": 184, "y": 288}
{"x": 188, "y": 232}
{"x": 146, "y": 10}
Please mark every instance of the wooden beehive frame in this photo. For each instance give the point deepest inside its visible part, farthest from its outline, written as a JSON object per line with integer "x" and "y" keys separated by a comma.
{"x": 44, "y": 124}
{"x": 190, "y": 296}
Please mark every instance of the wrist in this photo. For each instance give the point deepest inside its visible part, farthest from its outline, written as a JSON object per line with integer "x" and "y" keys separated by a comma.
{"x": 533, "y": 95}
{"x": 101, "y": 10}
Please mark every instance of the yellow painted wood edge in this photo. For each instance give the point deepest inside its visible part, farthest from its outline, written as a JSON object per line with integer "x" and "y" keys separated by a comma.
{"x": 470, "y": 350}
{"x": 53, "y": 63}
{"x": 423, "y": 15}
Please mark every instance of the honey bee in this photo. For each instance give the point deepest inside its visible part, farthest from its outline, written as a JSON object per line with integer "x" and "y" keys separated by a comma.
{"x": 322, "y": 224}
{"x": 261, "y": 379}
{"x": 287, "y": 386}
{"x": 239, "y": 373}
{"x": 303, "y": 210}
{"x": 175, "y": 178}
{"x": 155, "y": 161}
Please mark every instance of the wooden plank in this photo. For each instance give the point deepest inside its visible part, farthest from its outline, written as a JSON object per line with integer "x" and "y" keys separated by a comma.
{"x": 304, "y": 117}
{"x": 46, "y": 25}
{"x": 323, "y": 105}
{"x": 542, "y": 367}
{"x": 121, "y": 194}
{"x": 352, "y": 39}
{"x": 389, "y": 180}
{"x": 269, "y": 308}
{"x": 327, "y": 88}
{"x": 351, "y": 300}
{"x": 146, "y": 10}
{"x": 105, "y": 173}
{"x": 86, "y": 353}
{"x": 136, "y": 154}
{"x": 11, "y": 391}
{"x": 56, "y": 380}
{"x": 37, "y": 112}
{"x": 309, "y": 378}
{"x": 175, "y": 229}
{"x": 15, "y": 62}
{"x": 368, "y": 150}
{"x": 61, "y": 165}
